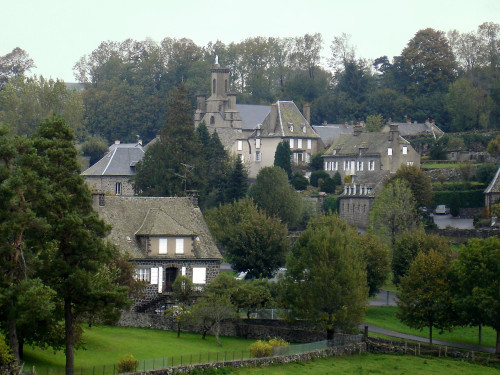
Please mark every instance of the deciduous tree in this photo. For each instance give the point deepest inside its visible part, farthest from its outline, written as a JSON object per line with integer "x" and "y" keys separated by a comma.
{"x": 418, "y": 182}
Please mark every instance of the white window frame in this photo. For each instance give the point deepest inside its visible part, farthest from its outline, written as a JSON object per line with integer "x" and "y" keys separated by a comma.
{"x": 292, "y": 143}
{"x": 335, "y": 165}
{"x": 405, "y": 150}
{"x": 163, "y": 246}
{"x": 179, "y": 245}
{"x": 389, "y": 151}
{"x": 299, "y": 143}
{"x": 371, "y": 165}
{"x": 257, "y": 143}
{"x": 143, "y": 274}
{"x": 199, "y": 275}
{"x": 326, "y": 165}
{"x": 240, "y": 145}
{"x": 309, "y": 144}
{"x": 154, "y": 275}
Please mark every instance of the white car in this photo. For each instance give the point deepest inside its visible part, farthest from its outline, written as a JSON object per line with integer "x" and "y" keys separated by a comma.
{"x": 441, "y": 210}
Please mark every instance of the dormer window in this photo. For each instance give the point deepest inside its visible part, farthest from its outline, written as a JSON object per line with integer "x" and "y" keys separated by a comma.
{"x": 389, "y": 151}
{"x": 334, "y": 152}
{"x": 290, "y": 126}
{"x": 304, "y": 129}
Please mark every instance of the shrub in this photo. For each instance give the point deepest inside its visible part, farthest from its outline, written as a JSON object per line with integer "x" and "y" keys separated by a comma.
{"x": 261, "y": 349}
{"x": 278, "y": 342}
{"x": 7, "y": 363}
{"x": 316, "y": 175}
{"x": 328, "y": 185}
{"x": 299, "y": 182}
{"x": 127, "y": 364}
{"x": 331, "y": 205}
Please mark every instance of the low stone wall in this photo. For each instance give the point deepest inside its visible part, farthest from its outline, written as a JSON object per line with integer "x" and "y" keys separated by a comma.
{"x": 462, "y": 235}
{"x": 260, "y": 329}
{"x": 356, "y": 348}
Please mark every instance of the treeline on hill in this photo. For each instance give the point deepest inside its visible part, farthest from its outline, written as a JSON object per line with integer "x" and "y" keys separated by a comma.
{"x": 452, "y": 78}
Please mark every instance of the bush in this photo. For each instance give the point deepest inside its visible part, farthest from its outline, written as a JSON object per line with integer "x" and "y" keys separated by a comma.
{"x": 7, "y": 363}
{"x": 261, "y": 349}
{"x": 278, "y": 342}
{"x": 485, "y": 173}
{"x": 331, "y": 205}
{"x": 464, "y": 199}
{"x": 299, "y": 182}
{"x": 328, "y": 185}
{"x": 127, "y": 364}
{"x": 316, "y": 175}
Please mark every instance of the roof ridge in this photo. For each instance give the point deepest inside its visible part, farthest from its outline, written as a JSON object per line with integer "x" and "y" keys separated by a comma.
{"x": 109, "y": 162}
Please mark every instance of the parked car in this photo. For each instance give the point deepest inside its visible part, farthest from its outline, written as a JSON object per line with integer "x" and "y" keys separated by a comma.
{"x": 441, "y": 209}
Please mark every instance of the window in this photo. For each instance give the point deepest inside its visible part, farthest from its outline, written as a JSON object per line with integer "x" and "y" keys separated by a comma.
{"x": 299, "y": 143}
{"x": 326, "y": 166}
{"x": 389, "y": 151}
{"x": 308, "y": 157}
{"x": 257, "y": 143}
{"x": 258, "y": 156}
{"x": 102, "y": 201}
{"x": 240, "y": 145}
{"x": 353, "y": 165}
{"x": 213, "y": 86}
{"x": 309, "y": 144}
{"x": 335, "y": 165}
{"x": 304, "y": 129}
{"x": 154, "y": 275}
{"x": 405, "y": 150}
{"x": 183, "y": 271}
{"x": 371, "y": 165}
{"x": 118, "y": 188}
{"x": 199, "y": 275}
{"x": 346, "y": 165}
{"x": 212, "y": 120}
{"x": 179, "y": 245}
{"x": 242, "y": 158}
{"x": 225, "y": 85}
{"x": 292, "y": 143}
{"x": 162, "y": 249}
{"x": 291, "y": 128}
{"x": 143, "y": 274}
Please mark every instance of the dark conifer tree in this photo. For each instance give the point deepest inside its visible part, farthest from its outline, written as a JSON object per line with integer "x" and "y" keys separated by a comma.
{"x": 282, "y": 157}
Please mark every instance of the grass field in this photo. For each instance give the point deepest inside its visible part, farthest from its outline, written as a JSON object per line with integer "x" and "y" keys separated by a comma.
{"x": 106, "y": 345}
{"x": 373, "y": 364}
{"x": 385, "y": 317}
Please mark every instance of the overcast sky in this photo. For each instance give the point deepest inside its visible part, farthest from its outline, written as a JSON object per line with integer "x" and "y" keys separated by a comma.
{"x": 57, "y": 33}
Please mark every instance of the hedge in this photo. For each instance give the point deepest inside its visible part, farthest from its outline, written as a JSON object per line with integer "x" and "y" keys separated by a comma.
{"x": 465, "y": 198}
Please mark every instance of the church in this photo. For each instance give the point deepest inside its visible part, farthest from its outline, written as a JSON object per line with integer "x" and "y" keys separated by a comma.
{"x": 252, "y": 132}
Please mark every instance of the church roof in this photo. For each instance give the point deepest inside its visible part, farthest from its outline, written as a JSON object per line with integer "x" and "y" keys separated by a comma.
{"x": 119, "y": 161}
{"x": 154, "y": 216}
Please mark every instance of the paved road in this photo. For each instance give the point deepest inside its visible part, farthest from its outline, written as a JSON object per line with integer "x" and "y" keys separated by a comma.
{"x": 383, "y": 298}
{"x": 476, "y": 348}
{"x": 443, "y": 221}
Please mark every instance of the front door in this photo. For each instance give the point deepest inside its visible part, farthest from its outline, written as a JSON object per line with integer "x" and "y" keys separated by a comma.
{"x": 170, "y": 275}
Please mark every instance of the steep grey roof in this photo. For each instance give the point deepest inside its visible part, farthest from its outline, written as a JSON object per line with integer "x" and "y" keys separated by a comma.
{"x": 133, "y": 216}
{"x": 289, "y": 122}
{"x": 252, "y": 114}
{"x": 349, "y": 144}
{"x": 329, "y": 133}
{"x": 494, "y": 186}
{"x": 374, "y": 181}
{"x": 228, "y": 136}
{"x": 119, "y": 161}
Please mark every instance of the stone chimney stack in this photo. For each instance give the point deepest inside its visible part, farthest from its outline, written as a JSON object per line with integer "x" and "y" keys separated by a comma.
{"x": 393, "y": 132}
{"x": 193, "y": 197}
{"x": 306, "y": 112}
{"x": 273, "y": 116}
{"x": 358, "y": 129}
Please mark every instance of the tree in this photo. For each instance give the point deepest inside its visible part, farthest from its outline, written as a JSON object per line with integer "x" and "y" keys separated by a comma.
{"x": 14, "y": 64}
{"x": 299, "y": 182}
{"x": 273, "y": 193}
{"x": 477, "y": 285}
{"x": 251, "y": 295}
{"x": 316, "y": 176}
{"x": 237, "y": 182}
{"x": 75, "y": 261}
{"x": 325, "y": 281}
{"x": 374, "y": 123}
{"x": 183, "y": 291}
{"x": 282, "y": 157}
{"x": 376, "y": 256}
{"x": 393, "y": 212}
{"x": 95, "y": 148}
{"x": 418, "y": 182}
{"x": 425, "y": 296}
{"x": 411, "y": 243}
{"x": 251, "y": 241}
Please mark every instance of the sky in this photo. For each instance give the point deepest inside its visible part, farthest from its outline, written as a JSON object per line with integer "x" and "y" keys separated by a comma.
{"x": 57, "y": 33}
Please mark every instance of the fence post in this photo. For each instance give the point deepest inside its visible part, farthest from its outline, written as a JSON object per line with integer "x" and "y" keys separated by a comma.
{"x": 406, "y": 346}
{"x": 365, "y": 334}
{"x": 446, "y": 351}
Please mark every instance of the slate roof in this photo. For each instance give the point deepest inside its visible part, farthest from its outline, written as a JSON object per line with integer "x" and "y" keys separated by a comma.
{"x": 329, "y": 133}
{"x": 414, "y": 128}
{"x": 119, "y": 161}
{"x": 373, "y": 143}
{"x": 132, "y": 216}
{"x": 494, "y": 186}
{"x": 375, "y": 181}
{"x": 252, "y": 114}
{"x": 288, "y": 123}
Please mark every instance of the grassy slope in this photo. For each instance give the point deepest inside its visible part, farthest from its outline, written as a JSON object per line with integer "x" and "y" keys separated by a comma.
{"x": 374, "y": 364}
{"x": 106, "y": 345}
{"x": 384, "y": 317}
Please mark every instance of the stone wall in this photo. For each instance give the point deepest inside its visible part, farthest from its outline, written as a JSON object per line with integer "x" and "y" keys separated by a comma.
{"x": 462, "y": 235}
{"x": 261, "y": 329}
{"x": 356, "y": 209}
{"x": 356, "y": 348}
{"x": 107, "y": 184}
{"x": 450, "y": 174}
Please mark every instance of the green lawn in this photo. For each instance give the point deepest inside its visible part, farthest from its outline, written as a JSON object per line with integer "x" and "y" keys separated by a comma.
{"x": 106, "y": 345}
{"x": 384, "y": 317}
{"x": 374, "y": 364}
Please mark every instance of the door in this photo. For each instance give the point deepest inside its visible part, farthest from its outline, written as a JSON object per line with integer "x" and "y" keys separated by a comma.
{"x": 170, "y": 275}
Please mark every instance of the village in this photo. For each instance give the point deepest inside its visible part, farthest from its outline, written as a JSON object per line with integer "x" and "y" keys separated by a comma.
{"x": 215, "y": 219}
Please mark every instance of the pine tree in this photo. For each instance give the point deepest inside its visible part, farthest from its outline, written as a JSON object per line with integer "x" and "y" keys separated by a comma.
{"x": 282, "y": 157}
{"x": 237, "y": 182}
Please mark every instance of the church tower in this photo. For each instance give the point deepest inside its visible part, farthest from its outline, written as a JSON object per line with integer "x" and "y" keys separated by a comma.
{"x": 219, "y": 110}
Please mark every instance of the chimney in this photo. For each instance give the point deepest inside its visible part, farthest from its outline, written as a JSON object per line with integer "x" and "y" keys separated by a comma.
{"x": 273, "y": 116}
{"x": 193, "y": 197}
{"x": 358, "y": 129}
{"x": 393, "y": 132}
{"x": 306, "y": 111}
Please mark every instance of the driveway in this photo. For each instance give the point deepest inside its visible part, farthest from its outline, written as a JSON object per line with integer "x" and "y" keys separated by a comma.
{"x": 443, "y": 221}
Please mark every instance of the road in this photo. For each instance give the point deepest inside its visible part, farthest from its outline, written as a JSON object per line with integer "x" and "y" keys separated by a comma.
{"x": 443, "y": 221}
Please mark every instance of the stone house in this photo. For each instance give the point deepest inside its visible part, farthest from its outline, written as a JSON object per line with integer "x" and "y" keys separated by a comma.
{"x": 252, "y": 132}
{"x": 492, "y": 192}
{"x": 365, "y": 160}
{"x": 163, "y": 238}
{"x": 111, "y": 175}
